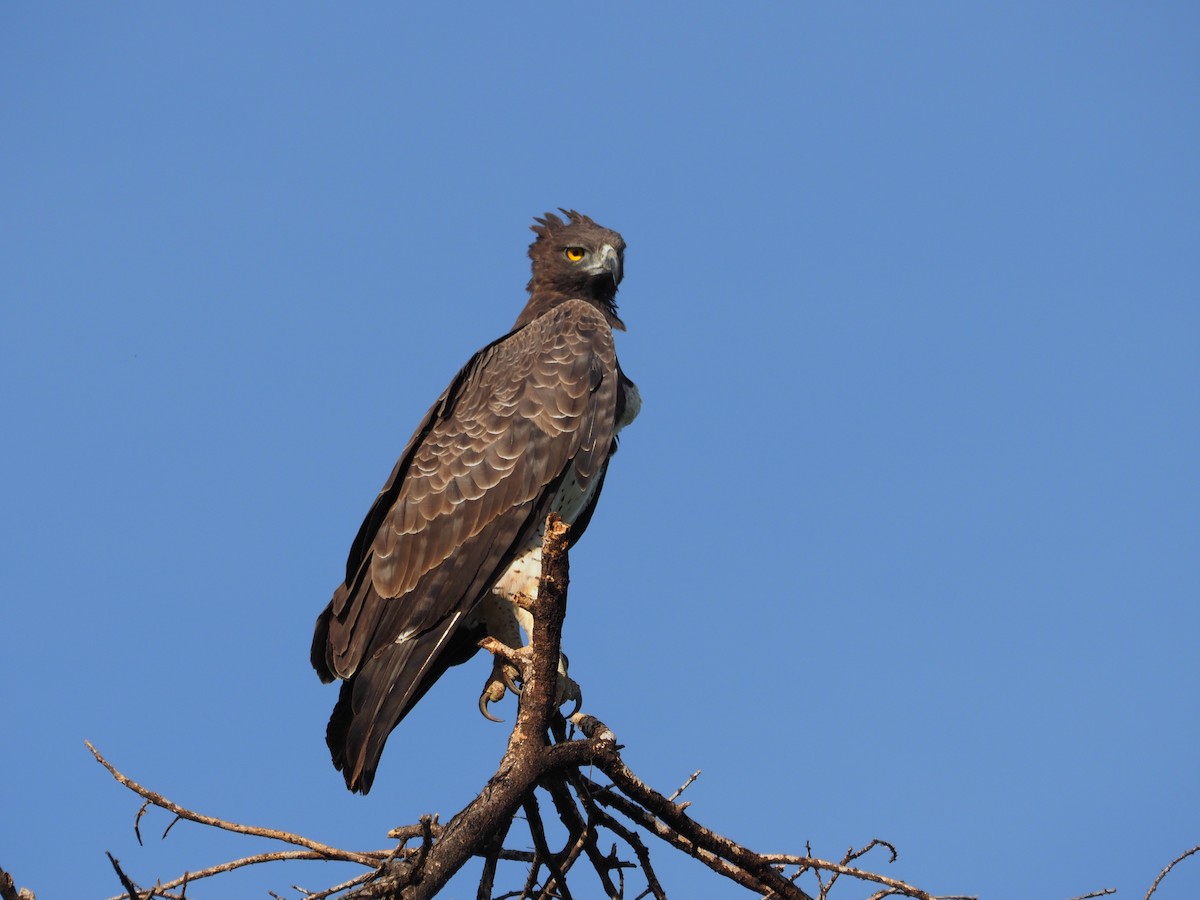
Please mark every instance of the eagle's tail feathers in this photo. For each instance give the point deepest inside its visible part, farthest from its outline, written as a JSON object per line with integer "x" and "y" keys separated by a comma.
{"x": 379, "y": 695}
{"x": 319, "y": 653}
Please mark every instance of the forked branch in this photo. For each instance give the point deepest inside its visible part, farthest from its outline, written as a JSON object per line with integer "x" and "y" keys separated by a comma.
{"x": 609, "y": 805}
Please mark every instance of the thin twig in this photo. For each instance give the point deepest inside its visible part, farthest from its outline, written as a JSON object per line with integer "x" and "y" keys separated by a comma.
{"x": 557, "y": 875}
{"x": 286, "y": 836}
{"x": 852, "y": 855}
{"x": 718, "y": 852}
{"x": 233, "y": 864}
{"x": 1163, "y": 874}
{"x": 130, "y": 888}
{"x": 137, "y": 832}
{"x": 492, "y": 856}
{"x": 629, "y": 837}
{"x": 683, "y": 787}
{"x": 584, "y": 833}
{"x": 337, "y": 888}
{"x": 418, "y": 864}
{"x": 908, "y": 890}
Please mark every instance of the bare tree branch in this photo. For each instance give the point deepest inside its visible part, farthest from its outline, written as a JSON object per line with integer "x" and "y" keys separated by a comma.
{"x": 130, "y": 888}
{"x": 184, "y": 813}
{"x": 9, "y": 891}
{"x": 490, "y": 860}
{"x": 1163, "y": 874}
{"x": 683, "y": 787}
{"x": 542, "y": 756}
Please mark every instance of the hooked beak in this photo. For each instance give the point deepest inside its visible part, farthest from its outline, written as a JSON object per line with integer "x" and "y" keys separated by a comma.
{"x": 609, "y": 262}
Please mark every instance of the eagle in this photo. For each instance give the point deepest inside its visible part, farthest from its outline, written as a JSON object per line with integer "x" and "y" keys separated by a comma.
{"x": 526, "y": 428}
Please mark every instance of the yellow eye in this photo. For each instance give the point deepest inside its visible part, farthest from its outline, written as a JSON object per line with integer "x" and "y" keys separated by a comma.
{"x": 574, "y": 254}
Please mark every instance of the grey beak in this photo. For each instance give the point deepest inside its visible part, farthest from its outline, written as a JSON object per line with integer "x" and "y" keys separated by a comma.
{"x": 610, "y": 262}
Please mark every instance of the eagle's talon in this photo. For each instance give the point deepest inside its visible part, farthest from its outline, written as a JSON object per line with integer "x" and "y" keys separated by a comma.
{"x": 578, "y": 701}
{"x": 484, "y": 700}
{"x": 498, "y": 683}
{"x": 509, "y": 675}
{"x": 568, "y": 689}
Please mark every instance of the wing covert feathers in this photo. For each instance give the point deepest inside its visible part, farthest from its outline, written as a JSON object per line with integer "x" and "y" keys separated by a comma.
{"x": 474, "y": 482}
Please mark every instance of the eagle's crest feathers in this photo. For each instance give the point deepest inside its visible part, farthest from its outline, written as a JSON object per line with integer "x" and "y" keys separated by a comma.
{"x": 593, "y": 277}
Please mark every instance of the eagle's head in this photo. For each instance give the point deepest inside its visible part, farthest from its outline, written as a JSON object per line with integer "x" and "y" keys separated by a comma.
{"x": 575, "y": 259}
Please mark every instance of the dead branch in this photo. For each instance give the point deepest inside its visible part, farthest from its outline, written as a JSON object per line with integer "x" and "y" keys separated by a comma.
{"x": 130, "y": 888}
{"x": 540, "y": 756}
{"x": 9, "y": 891}
{"x": 1163, "y": 874}
{"x": 683, "y": 787}
{"x": 323, "y": 850}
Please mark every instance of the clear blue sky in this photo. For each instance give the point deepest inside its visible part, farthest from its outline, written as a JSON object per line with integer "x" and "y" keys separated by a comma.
{"x": 904, "y": 544}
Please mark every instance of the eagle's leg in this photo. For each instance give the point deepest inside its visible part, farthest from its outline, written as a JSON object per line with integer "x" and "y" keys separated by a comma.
{"x": 506, "y": 618}
{"x": 567, "y": 688}
{"x": 502, "y": 624}
{"x": 493, "y": 690}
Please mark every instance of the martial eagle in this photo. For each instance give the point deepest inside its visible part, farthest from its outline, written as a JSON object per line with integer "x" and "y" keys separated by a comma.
{"x": 527, "y": 427}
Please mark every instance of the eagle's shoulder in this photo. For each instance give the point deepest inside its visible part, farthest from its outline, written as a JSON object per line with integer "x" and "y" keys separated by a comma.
{"x": 518, "y": 413}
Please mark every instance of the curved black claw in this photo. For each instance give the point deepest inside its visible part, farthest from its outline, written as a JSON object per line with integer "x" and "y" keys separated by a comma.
{"x": 575, "y": 709}
{"x": 508, "y": 675}
{"x": 483, "y": 708}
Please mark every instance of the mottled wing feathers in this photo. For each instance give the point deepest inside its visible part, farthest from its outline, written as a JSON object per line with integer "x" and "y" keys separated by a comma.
{"x": 470, "y": 486}
{"x": 524, "y": 412}
{"x": 395, "y": 675}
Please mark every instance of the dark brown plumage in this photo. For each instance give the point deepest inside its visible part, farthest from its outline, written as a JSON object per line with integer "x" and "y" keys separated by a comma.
{"x": 527, "y": 426}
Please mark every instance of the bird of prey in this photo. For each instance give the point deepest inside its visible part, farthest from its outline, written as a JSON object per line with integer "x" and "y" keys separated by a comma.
{"x": 527, "y": 427}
